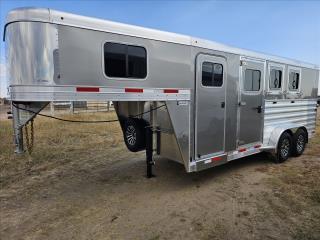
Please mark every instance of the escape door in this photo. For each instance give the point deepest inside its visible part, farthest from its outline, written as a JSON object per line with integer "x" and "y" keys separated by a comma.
{"x": 210, "y": 105}
{"x": 251, "y": 102}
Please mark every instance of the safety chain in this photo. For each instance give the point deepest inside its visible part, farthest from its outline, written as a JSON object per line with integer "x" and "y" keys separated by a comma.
{"x": 29, "y": 141}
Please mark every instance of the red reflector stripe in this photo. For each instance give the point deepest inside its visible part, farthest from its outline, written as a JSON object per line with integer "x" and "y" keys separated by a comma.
{"x": 88, "y": 89}
{"x": 171, "y": 91}
{"x": 257, "y": 146}
{"x": 134, "y": 90}
{"x": 242, "y": 150}
{"x": 216, "y": 159}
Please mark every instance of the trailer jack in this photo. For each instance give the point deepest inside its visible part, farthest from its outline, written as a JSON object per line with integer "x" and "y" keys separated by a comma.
{"x": 149, "y": 151}
{"x": 23, "y": 114}
{"x": 149, "y": 148}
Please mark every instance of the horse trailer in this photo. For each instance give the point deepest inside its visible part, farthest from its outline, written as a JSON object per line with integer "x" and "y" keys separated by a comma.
{"x": 194, "y": 101}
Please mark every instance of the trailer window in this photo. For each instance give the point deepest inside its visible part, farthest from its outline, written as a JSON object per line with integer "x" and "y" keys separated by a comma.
{"x": 294, "y": 78}
{"x": 252, "y": 80}
{"x": 125, "y": 61}
{"x": 275, "y": 79}
{"x": 212, "y": 74}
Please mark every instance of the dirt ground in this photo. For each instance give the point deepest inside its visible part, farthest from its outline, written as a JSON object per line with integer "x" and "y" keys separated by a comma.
{"x": 82, "y": 183}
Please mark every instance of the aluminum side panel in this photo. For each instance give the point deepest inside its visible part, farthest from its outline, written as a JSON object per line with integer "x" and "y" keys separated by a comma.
{"x": 309, "y": 83}
{"x": 289, "y": 113}
{"x": 180, "y": 121}
{"x": 82, "y": 63}
{"x": 232, "y": 102}
{"x": 68, "y": 19}
{"x": 30, "y": 48}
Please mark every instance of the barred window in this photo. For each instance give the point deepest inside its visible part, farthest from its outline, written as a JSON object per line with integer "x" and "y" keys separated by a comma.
{"x": 275, "y": 79}
{"x": 294, "y": 78}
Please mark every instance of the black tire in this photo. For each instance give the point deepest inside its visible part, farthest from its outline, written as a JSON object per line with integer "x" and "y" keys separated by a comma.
{"x": 300, "y": 139}
{"x": 284, "y": 147}
{"x": 134, "y": 135}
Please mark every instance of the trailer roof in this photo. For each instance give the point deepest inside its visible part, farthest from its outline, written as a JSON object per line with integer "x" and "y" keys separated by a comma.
{"x": 63, "y": 18}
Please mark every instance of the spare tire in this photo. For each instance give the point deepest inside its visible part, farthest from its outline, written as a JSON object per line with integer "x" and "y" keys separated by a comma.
{"x": 134, "y": 134}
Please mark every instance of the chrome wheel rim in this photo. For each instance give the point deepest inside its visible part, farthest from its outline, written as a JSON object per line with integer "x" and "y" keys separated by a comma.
{"x": 300, "y": 143}
{"x": 285, "y": 147}
{"x": 131, "y": 135}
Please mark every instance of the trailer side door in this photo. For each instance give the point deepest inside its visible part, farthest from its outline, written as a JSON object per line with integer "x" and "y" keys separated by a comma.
{"x": 251, "y": 101}
{"x": 210, "y": 105}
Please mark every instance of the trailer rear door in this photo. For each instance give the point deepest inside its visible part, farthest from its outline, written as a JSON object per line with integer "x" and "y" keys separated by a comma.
{"x": 251, "y": 101}
{"x": 210, "y": 105}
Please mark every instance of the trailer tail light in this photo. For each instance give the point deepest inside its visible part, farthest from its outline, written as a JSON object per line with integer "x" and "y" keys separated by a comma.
{"x": 214, "y": 159}
{"x": 242, "y": 150}
{"x": 88, "y": 89}
{"x": 133, "y": 90}
{"x": 257, "y": 146}
{"x": 171, "y": 91}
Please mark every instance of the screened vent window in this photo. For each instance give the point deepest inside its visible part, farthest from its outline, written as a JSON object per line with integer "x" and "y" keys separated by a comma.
{"x": 212, "y": 74}
{"x": 275, "y": 79}
{"x": 252, "y": 80}
{"x": 294, "y": 78}
{"x": 125, "y": 61}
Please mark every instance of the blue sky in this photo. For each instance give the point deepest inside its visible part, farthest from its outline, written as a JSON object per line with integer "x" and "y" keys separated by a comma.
{"x": 285, "y": 28}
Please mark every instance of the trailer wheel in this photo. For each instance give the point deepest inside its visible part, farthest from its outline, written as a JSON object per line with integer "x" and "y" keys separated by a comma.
{"x": 284, "y": 147}
{"x": 134, "y": 135}
{"x": 299, "y": 142}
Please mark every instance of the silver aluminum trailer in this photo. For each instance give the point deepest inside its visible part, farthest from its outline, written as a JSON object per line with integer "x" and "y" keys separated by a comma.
{"x": 220, "y": 103}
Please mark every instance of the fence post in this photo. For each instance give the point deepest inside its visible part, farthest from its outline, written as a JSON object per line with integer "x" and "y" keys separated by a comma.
{"x": 51, "y": 108}
{"x": 71, "y": 107}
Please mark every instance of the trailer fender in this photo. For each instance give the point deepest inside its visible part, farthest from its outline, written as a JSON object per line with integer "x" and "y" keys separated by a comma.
{"x": 277, "y": 131}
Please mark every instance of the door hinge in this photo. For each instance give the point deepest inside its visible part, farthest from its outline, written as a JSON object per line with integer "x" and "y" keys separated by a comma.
{"x": 243, "y": 63}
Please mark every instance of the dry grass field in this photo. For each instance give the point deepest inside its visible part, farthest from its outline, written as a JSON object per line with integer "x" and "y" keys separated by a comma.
{"x": 82, "y": 183}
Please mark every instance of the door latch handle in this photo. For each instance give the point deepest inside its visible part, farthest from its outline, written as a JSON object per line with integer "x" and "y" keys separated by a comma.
{"x": 259, "y": 108}
{"x": 223, "y": 104}
{"x": 242, "y": 103}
